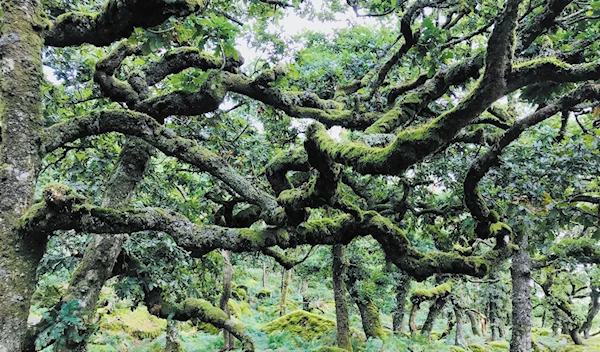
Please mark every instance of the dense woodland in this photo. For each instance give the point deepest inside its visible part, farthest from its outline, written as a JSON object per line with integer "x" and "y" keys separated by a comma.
{"x": 188, "y": 175}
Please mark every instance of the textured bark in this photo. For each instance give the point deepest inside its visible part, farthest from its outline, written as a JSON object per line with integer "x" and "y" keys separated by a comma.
{"x": 460, "y": 319}
{"x": 521, "y": 297}
{"x": 369, "y": 312}
{"x": 101, "y": 253}
{"x": 226, "y": 294}
{"x": 339, "y": 271}
{"x": 592, "y": 312}
{"x": 20, "y": 160}
{"x": 434, "y": 312}
{"x": 412, "y": 321}
{"x": 286, "y": 276}
{"x": 474, "y": 323}
{"x": 402, "y": 289}
{"x": 172, "y": 338}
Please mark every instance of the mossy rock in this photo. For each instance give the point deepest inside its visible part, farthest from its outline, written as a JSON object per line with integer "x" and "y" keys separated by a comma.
{"x": 246, "y": 309}
{"x": 538, "y": 347}
{"x": 478, "y": 348}
{"x": 541, "y": 332}
{"x": 499, "y": 345}
{"x": 138, "y": 323}
{"x": 264, "y": 293}
{"x": 239, "y": 293}
{"x": 304, "y": 324}
{"x": 457, "y": 349}
{"x": 234, "y": 308}
{"x": 330, "y": 349}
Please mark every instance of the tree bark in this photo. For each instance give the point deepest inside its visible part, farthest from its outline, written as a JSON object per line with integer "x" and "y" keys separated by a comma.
{"x": 226, "y": 295}
{"x": 20, "y": 162}
{"x": 592, "y": 312}
{"x": 521, "y": 297}
{"x": 402, "y": 289}
{"x": 285, "y": 283}
{"x": 172, "y": 337}
{"x": 102, "y": 252}
{"x": 412, "y": 321}
{"x": 432, "y": 315}
{"x": 474, "y": 323}
{"x": 460, "y": 319}
{"x": 339, "y": 271}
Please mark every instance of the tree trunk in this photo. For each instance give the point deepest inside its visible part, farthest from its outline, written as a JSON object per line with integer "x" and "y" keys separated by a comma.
{"x": 576, "y": 336}
{"x": 592, "y": 312}
{"x": 172, "y": 337}
{"x": 371, "y": 321}
{"x": 225, "y": 296}
{"x": 412, "y": 321}
{"x": 20, "y": 162}
{"x": 460, "y": 319}
{"x": 474, "y": 323}
{"x": 102, "y": 252}
{"x": 339, "y": 271}
{"x": 285, "y": 283}
{"x": 402, "y": 289}
{"x": 521, "y": 297}
{"x": 264, "y": 275}
{"x": 434, "y": 311}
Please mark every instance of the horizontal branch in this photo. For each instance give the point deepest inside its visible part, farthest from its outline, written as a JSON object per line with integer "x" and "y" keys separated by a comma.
{"x": 117, "y": 20}
{"x": 143, "y": 126}
{"x": 62, "y": 209}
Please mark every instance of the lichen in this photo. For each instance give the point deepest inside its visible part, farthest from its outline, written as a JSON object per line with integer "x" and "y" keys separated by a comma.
{"x": 432, "y": 293}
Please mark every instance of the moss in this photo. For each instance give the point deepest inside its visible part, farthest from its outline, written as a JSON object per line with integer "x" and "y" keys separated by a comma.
{"x": 245, "y": 308}
{"x": 234, "y": 308}
{"x": 330, "y": 349}
{"x": 432, "y": 293}
{"x": 457, "y": 349}
{"x": 47, "y": 296}
{"x": 499, "y": 226}
{"x": 547, "y": 60}
{"x": 304, "y": 324}
{"x": 499, "y": 345}
{"x": 138, "y": 323}
{"x": 493, "y": 216}
{"x": 478, "y": 348}
{"x": 264, "y": 293}
{"x": 239, "y": 293}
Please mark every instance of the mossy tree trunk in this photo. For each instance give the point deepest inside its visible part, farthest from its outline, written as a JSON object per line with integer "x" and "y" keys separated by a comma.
{"x": 434, "y": 312}
{"x": 521, "y": 297}
{"x": 412, "y": 320}
{"x": 460, "y": 320}
{"x": 172, "y": 338}
{"x": 286, "y": 276}
{"x": 102, "y": 252}
{"x": 474, "y": 322}
{"x": 339, "y": 271}
{"x": 226, "y": 295}
{"x": 402, "y": 289}
{"x": 592, "y": 312}
{"x": 20, "y": 161}
{"x": 369, "y": 312}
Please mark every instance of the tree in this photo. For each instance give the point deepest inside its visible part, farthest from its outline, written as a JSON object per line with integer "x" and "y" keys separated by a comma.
{"x": 158, "y": 72}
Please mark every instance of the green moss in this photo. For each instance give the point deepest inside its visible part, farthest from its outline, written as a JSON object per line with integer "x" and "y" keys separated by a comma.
{"x": 478, "y": 348}
{"x": 547, "y": 60}
{"x": 493, "y": 216}
{"x": 432, "y": 293}
{"x": 457, "y": 349}
{"x": 304, "y": 324}
{"x": 234, "y": 308}
{"x": 264, "y": 293}
{"x": 499, "y": 346}
{"x": 330, "y": 349}
{"x": 138, "y": 323}
{"x": 245, "y": 308}
{"x": 47, "y": 296}
{"x": 239, "y": 293}
{"x": 499, "y": 226}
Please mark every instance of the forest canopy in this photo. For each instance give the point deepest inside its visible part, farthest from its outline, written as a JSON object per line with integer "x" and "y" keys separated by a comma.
{"x": 187, "y": 175}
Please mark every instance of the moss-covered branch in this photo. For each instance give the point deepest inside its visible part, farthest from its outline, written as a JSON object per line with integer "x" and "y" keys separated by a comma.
{"x": 538, "y": 24}
{"x": 146, "y": 128}
{"x": 117, "y": 20}
{"x": 484, "y": 218}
